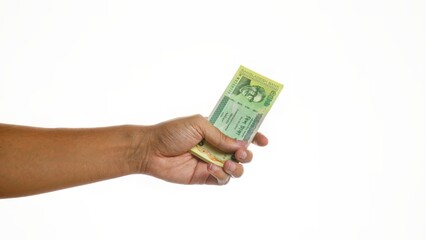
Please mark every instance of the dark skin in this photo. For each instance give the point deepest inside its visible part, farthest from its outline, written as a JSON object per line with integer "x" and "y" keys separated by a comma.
{"x": 38, "y": 160}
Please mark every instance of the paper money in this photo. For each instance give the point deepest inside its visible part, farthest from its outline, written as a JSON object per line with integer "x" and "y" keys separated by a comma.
{"x": 240, "y": 111}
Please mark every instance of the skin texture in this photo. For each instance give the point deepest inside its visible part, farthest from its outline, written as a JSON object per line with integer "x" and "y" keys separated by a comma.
{"x": 38, "y": 160}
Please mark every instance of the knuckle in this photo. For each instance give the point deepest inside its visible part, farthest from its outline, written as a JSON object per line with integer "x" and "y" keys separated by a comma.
{"x": 222, "y": 139}
{"x": 197, "y": 118}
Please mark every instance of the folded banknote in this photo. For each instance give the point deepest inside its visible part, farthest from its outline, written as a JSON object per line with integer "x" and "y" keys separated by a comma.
{"x": 240, "y": 111}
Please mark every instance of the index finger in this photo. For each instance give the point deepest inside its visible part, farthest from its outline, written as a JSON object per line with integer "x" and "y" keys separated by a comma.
{"x": 260, "y": 139}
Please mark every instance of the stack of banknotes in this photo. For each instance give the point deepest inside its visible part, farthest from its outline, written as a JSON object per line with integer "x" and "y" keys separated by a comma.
{"x": 240, "y": 111}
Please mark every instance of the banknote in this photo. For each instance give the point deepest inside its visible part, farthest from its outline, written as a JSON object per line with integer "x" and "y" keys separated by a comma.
{"x": 240, "y": 111}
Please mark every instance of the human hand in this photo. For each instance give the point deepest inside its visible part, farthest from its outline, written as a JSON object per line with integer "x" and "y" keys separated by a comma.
{"x": 163, "y": 152}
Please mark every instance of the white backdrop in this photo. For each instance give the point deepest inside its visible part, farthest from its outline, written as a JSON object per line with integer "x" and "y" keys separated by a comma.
{"x": 346, "y": 158}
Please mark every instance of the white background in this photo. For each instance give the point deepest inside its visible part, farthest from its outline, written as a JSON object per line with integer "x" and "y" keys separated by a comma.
{"x": 346, "y": 158}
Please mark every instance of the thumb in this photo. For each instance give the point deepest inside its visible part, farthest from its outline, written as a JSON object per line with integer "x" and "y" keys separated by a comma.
{"x": 217, "y": 139}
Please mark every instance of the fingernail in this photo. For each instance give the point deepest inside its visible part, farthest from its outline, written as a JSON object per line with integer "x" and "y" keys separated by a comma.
{"x": 243, "y": 155}
{"x": 231, "y": 167}
{"x": 212, "y": 167}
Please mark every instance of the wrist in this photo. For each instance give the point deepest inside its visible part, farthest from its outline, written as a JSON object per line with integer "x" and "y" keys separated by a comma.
{"x": 137, "y": 148}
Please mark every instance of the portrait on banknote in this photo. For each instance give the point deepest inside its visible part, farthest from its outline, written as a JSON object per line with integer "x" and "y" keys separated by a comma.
{"x": 252, "y": 93}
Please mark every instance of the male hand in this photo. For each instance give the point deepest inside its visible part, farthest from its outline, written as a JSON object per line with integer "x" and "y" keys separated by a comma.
{"x": 164, "y": 152}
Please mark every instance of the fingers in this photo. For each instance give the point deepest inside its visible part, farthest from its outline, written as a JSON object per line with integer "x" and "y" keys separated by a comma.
{"x": 217, "y": 175}
{"x": 234, "y": 169}
{"x": 243, "y": 155}
{"x": 221, "y": 176}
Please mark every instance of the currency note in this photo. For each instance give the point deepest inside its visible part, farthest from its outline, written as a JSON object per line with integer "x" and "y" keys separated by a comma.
{"x": 240, "y": 111}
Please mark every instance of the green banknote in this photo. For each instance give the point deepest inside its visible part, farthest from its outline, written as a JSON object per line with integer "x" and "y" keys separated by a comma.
{"x": 240, "y": 111}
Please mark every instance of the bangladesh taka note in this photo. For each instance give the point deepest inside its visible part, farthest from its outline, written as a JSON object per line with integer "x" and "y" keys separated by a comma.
{"x": 240, "y": 111}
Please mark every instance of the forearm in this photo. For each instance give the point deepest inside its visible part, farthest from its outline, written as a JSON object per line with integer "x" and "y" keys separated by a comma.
{"x": 36, "y": 160}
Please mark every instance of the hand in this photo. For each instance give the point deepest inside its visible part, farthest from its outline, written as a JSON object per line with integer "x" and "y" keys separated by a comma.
{"x": 164, "y": 152}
